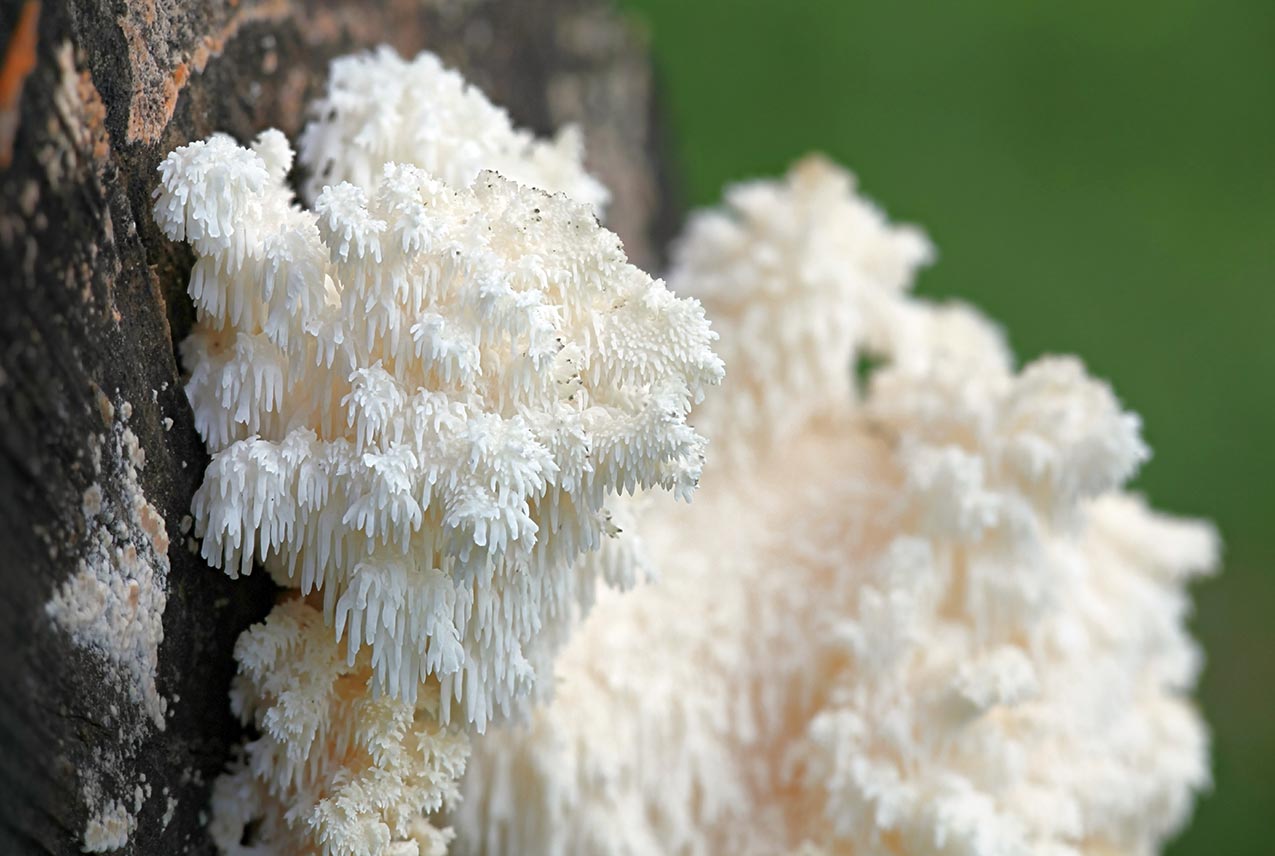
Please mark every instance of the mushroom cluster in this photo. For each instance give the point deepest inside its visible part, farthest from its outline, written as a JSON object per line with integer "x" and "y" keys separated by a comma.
{"x": 911, "y": 609}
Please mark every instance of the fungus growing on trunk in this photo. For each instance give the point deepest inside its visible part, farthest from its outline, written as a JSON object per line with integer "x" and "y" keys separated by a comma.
{"x": 918, "y": 617}
{"x": 421, "y": 400}
{"x": 908, "y": 613}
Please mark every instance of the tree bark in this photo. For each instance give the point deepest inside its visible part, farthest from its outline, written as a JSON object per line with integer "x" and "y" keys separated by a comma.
{"x": 93, "y": 93}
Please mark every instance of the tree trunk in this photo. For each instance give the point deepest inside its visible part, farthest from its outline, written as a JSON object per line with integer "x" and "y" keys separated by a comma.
{"x": 93, "y": 93}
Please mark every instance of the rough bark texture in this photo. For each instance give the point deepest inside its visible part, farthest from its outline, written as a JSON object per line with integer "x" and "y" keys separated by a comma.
{"x": 93, "y": 93}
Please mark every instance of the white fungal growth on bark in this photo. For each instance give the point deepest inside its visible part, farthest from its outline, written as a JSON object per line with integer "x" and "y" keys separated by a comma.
{"x": 113, "y": 607}
{"x": 114, "y": 604}
{"x": 419, "y": 401}
{"x": 428, "y": 400}
{"x": 109, "y": 829}
{"x": 913, "y": 612}
{"x": 920, "y": 619}
{"x": 429, "y": 116}
{"x": 335, "y": 769}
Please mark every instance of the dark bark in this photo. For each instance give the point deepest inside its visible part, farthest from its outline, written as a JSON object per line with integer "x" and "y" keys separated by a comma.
{"x": 93, "y": 93}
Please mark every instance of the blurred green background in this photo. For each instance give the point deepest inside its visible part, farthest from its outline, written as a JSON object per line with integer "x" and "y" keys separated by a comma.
{"x": 1100, "y": 178}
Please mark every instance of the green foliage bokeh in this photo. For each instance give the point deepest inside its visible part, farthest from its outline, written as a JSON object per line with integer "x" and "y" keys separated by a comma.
{"x": 1100, "y": 178}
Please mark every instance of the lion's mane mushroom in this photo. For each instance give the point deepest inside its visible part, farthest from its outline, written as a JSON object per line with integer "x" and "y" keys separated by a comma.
{"x": 421, "y": 400}
{"x": 917, "y": 617}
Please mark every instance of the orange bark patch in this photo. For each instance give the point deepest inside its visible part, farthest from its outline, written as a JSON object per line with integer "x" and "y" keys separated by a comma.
{"x": 94, "y": 117}
{"x": 82, "y": 121}
{"x": 160, "y": 72}
{"x": 18, "y": 62}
